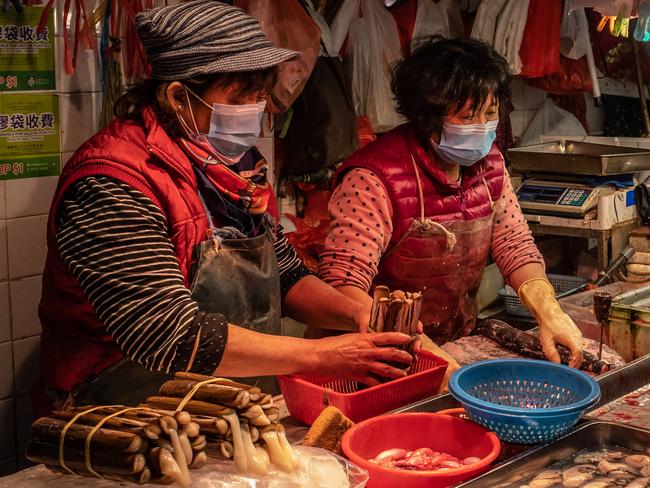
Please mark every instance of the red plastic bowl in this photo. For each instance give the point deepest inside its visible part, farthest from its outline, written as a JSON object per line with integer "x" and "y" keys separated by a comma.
{"x": 442, "y": 433}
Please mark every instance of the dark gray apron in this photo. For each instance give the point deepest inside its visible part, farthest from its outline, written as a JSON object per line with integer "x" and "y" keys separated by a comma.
{"x": 236, "y": 277}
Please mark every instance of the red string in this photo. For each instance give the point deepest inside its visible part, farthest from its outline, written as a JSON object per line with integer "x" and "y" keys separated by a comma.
{"x": 45, "y": 15}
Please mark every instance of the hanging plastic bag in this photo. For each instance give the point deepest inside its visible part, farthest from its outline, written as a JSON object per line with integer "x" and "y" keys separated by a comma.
{"x": 485, "y": 23}
{"x": 540, "y": 53}
{"x": 551, "y": 120}
{"x": 430, "y": 19}
{"x": 509, "y": 33}
{"x": 322, "y": 131}
{"x": 321, "y": 134}
{"x": 574, "y": 34}
{"x": 287, "y": 25}
{"x": 373, "y": 46}
{"x": 341, "y": 24}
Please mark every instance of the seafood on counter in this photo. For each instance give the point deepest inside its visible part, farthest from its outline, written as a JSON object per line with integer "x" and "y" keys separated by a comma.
{"x": 530, "y": 346}
{"x": 631, "y": 409}
{"x": 137, "y": 445}
{"x": 239, "y": 421}
{"x": 396, "y": 311}
{"x": 601, "y": 468}
{"x": 423, "y": 459}
{"x": 192, "y": 417}
{"x": 469, "y": 349}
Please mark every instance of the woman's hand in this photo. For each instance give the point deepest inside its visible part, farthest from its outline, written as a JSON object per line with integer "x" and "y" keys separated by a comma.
{"x": 363, "y": 357}
{"x": 560, "y": 329}
{"x": 555, "y": 326}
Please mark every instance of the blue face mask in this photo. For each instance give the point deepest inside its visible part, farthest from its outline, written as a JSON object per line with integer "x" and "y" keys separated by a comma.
{"x": 466, "y": 144}
{"x": 234, "y": 129}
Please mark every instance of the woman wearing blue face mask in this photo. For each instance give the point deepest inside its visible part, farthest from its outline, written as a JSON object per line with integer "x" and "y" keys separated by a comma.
{"x": 422, "y": 208}
{"x": 163, "y": 233}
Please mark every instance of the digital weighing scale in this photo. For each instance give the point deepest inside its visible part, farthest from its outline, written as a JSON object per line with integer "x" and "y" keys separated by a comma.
{"x": 566, "y": 183}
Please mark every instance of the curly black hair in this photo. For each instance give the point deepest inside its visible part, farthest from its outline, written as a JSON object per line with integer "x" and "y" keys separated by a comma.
{"x": 441, "y": 75}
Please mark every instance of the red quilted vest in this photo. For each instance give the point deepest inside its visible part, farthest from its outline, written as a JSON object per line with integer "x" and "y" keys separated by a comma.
{"x": 74, "y": 343}
{"x": 390, "y": 159}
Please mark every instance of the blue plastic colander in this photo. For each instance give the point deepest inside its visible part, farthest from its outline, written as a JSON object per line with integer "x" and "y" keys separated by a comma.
{"x": 524, "y": 400}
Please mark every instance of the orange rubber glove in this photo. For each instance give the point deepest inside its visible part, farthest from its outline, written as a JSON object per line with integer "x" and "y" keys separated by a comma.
{"x": 555, "y": 326}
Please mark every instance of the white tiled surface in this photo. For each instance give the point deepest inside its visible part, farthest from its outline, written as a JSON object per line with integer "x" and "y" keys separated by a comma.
{"x": 26, "y": 363}
{"x": 7, "y": 428}
{"x": 6, "y": 371}
{"x": 4, "y": 260}
{"x": 3, "y": 207}
{"x": 80, "y": 113}
{"x": 27, "y": 245}
{"x": 24, "y": 419}
{"x": 86, "y": 77}
{"x": 526, "y": 97}
{"x": 25, "y": 295}
{"x": 5, "y": 312}
{"x": 30, "y": 196}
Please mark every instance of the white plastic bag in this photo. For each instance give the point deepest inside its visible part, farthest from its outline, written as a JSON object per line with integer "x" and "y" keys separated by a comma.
{"x": 554, "y": 121}
{"x": 373, "y": 45}
{"x": 574, "y": 33}
{"x": 318, "y": 469}
{"x": 485, "y": 23}
{"x": 510, "y": 33}
{"x": 454, "y": 16}
{"x": 431, "y": 18}
{"x": 341, "y": 23}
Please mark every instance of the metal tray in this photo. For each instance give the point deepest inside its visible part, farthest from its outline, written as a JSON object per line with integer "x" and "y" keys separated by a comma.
{"x": 431, "y": 404}
{"x": 579, "y": 158}
{"x": 588, "y": 435}
{"x": 621, "y": 381}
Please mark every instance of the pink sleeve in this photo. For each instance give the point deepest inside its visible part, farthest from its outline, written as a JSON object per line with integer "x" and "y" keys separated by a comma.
{"x": 513, "y": 245}
{"x": 360, "y": 230}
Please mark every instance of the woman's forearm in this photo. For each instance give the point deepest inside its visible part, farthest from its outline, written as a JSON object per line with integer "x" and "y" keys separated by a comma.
{"x": 251, "y": 353}
{"x": 358, "y": 357}
{"x": 525, "y": 273}
{"x": 316, "y": 304}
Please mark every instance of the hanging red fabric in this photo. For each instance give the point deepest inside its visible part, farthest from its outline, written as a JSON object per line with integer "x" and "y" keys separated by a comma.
{"x": 540, "y": 49}
{"x": 573, "y": 77}
{"x": 404, "y": 14}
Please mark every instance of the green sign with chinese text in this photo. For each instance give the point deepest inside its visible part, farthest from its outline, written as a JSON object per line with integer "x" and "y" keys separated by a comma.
{"x": 26, "y": 54}
{"x": 29, "y": 135}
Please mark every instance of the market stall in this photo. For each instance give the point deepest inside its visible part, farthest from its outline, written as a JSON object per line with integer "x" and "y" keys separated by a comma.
{"x": 395, "y": 169}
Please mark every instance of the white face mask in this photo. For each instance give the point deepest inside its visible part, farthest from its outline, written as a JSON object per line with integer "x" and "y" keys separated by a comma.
{"x": 466, "y": 144}
{"x": 234, "y": 129}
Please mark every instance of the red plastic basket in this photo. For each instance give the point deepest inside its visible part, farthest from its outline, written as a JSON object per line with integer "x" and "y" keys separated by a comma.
{"x": 307, "y": 395}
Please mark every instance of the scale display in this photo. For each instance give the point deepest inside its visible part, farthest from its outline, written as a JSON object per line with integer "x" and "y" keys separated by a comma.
{"x": 556, "y": 198}
{"x": 572, "y": 197}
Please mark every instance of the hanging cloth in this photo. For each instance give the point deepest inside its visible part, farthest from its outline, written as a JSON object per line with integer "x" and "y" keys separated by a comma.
{"x": 510, "y": 32}
{"x": 540, "y": 53}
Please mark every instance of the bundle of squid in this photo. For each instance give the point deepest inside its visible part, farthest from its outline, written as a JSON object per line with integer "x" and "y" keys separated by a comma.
{"x": 239, "y": 421}
{"x": 140, "y": 445}
{"x": 395, "y": 311}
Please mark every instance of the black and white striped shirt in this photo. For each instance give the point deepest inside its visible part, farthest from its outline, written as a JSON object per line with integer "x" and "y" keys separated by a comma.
{"x": 115, "y": 242}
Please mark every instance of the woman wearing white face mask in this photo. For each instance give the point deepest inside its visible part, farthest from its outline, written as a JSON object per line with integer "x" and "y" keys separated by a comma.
{"x": 421, "y": 208}
{"x": 163, "y": 233}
